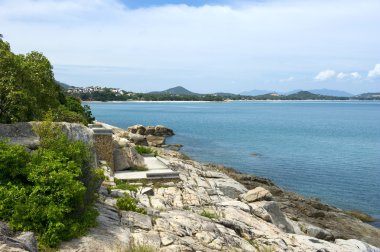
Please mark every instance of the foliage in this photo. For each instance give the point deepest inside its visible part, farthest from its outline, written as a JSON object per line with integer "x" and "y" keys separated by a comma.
{"x": 145, "y": 150}
{"x": 209, "y": 214}
{"x": 129, "y": 203}
{"x": 124, "y": 185}
{"x": 28, "y": 90}
{"x": 51, "y": 190}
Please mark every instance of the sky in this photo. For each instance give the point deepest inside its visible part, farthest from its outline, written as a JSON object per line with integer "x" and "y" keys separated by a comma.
{"x": 205, "y": 46}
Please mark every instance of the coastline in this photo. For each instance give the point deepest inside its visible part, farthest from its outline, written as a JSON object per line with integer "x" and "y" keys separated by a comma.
{"x": 233, "y": 101}
{"x": 331, "y": 221}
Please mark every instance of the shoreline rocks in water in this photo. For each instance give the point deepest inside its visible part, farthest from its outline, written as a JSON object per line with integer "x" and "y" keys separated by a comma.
{"x": 149, "y": 136}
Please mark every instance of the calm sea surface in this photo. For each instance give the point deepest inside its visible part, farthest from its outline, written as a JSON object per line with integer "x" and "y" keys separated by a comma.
{"x": 329, "y": 150}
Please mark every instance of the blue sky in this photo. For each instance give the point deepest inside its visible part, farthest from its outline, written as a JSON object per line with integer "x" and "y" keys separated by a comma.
{"x": 205, "y": 46}
{"x": 141, "y": 4}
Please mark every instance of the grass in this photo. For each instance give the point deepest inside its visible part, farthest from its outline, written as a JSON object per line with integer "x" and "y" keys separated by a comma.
{"x": 360, "y": 215}
{"x": 124, "y": 186}
{"x": 145, "y": 150}
{"x": 209, "y": 214}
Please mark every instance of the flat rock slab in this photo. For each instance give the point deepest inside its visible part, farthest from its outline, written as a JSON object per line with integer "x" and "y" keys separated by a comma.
{"x": 156, "y": 170}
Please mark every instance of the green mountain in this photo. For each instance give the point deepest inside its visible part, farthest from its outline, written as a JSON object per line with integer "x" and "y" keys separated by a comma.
{"x": 178, "y": 90}
{"x": 301, "y": 95}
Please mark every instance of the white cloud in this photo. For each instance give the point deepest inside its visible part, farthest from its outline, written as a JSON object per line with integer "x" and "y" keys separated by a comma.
{"x": 255, "y": 42}
{"x": 375, "y": 72}
{"x": 325, "y": 75}
{"x": 353, "y": 75}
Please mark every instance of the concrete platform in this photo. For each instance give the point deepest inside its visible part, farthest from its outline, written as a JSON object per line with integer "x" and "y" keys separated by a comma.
{"x": 157, "y": 169}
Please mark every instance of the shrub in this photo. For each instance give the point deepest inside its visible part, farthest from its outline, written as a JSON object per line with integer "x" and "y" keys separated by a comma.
{"x": 209, "y": 214}
{"x": 51, "y": 190}
{"x": 145, "y": 150}
{"x": 128, "y": 203}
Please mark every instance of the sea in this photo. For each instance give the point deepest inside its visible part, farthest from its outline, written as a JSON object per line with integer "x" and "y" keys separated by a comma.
{"x": 322, "y": 149}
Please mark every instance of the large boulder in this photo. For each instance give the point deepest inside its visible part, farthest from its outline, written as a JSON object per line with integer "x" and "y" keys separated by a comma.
{"x": 155, "y": 141}
{"x": 125, "y": 156}
{"x": 277, "y": 217}
{"x": 256, "y": 194}
{"x": 21, "y": 242}
{"x": 137, "y": 139}
{"x": 163, "y": 131}
{"x": 20, "y": 133}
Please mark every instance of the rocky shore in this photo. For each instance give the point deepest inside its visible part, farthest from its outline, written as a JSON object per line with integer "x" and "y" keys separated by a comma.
{"x": 211, "y": 208}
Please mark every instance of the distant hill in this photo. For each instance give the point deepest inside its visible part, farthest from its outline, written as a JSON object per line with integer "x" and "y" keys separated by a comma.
{"x": 256, "y": 92}
{"x": 301, "y": 95}
{"x": 63, "y": 85}
{"x": 178, "y": 90}
{"x": 368, "y": 96}
{"x": 331, "y": 92}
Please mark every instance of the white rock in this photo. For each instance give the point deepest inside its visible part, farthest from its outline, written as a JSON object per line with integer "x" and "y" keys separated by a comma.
{"x": 256, "y": 194}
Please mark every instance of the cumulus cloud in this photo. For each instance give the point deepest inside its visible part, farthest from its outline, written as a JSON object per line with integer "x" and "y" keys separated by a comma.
{"x": 375, "y": 72}
{"x": 353, "y": 75}
{"x": 325, "y": 75}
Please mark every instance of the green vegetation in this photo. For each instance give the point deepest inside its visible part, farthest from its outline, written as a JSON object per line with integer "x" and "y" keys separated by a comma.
{"x": 28, "y": 90}
{"x": 129, "y": 203}
{"x": 145, "y": 150}
{"x": 50, "y": 191}
{"x": 209, "y": 214}
{"x": 360, "y": 215}
{"x": 122, "y": 185}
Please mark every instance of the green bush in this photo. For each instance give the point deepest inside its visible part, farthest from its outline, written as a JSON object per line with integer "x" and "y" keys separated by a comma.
{"x": 50, "y": 191}
{"x": 145, "y": 150}
{"x": 128, "y": 203}
{"x": 210, "y": 214}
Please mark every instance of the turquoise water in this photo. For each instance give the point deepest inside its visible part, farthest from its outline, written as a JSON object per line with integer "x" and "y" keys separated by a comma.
{"x": 329, "y": 150}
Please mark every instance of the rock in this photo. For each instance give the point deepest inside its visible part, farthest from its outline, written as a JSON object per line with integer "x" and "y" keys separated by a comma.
{"x": 136, "y": 220}
{"x": 108, "y": 236}
{"x": 126, "y": 157}
{"x": 29, "y": 240}
{"x": 163, "y": 131}
{"x": 256, "y": 194}
{"x": 258, "y": 210}
{"x": 316, "y": 232}
{"x": 167, "y": 238}
{"x": 149, "y": 130}
{"x": 24, "y": 242}
{"x": 234, "y": 203}
{"x": 151, "y": 239}
{"x": 356, "y": 246}
{"x": 230, "y": 187}
{"x": 277, "y": 217}
{"x": 137, "y": 129}
{"x": 147, "y": 190}
{"x": 138, "y": 139}
{"x": 155, "y": 141}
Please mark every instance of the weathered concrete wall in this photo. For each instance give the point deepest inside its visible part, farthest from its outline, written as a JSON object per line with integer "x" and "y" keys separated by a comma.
{"x": 104, "y": 145}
